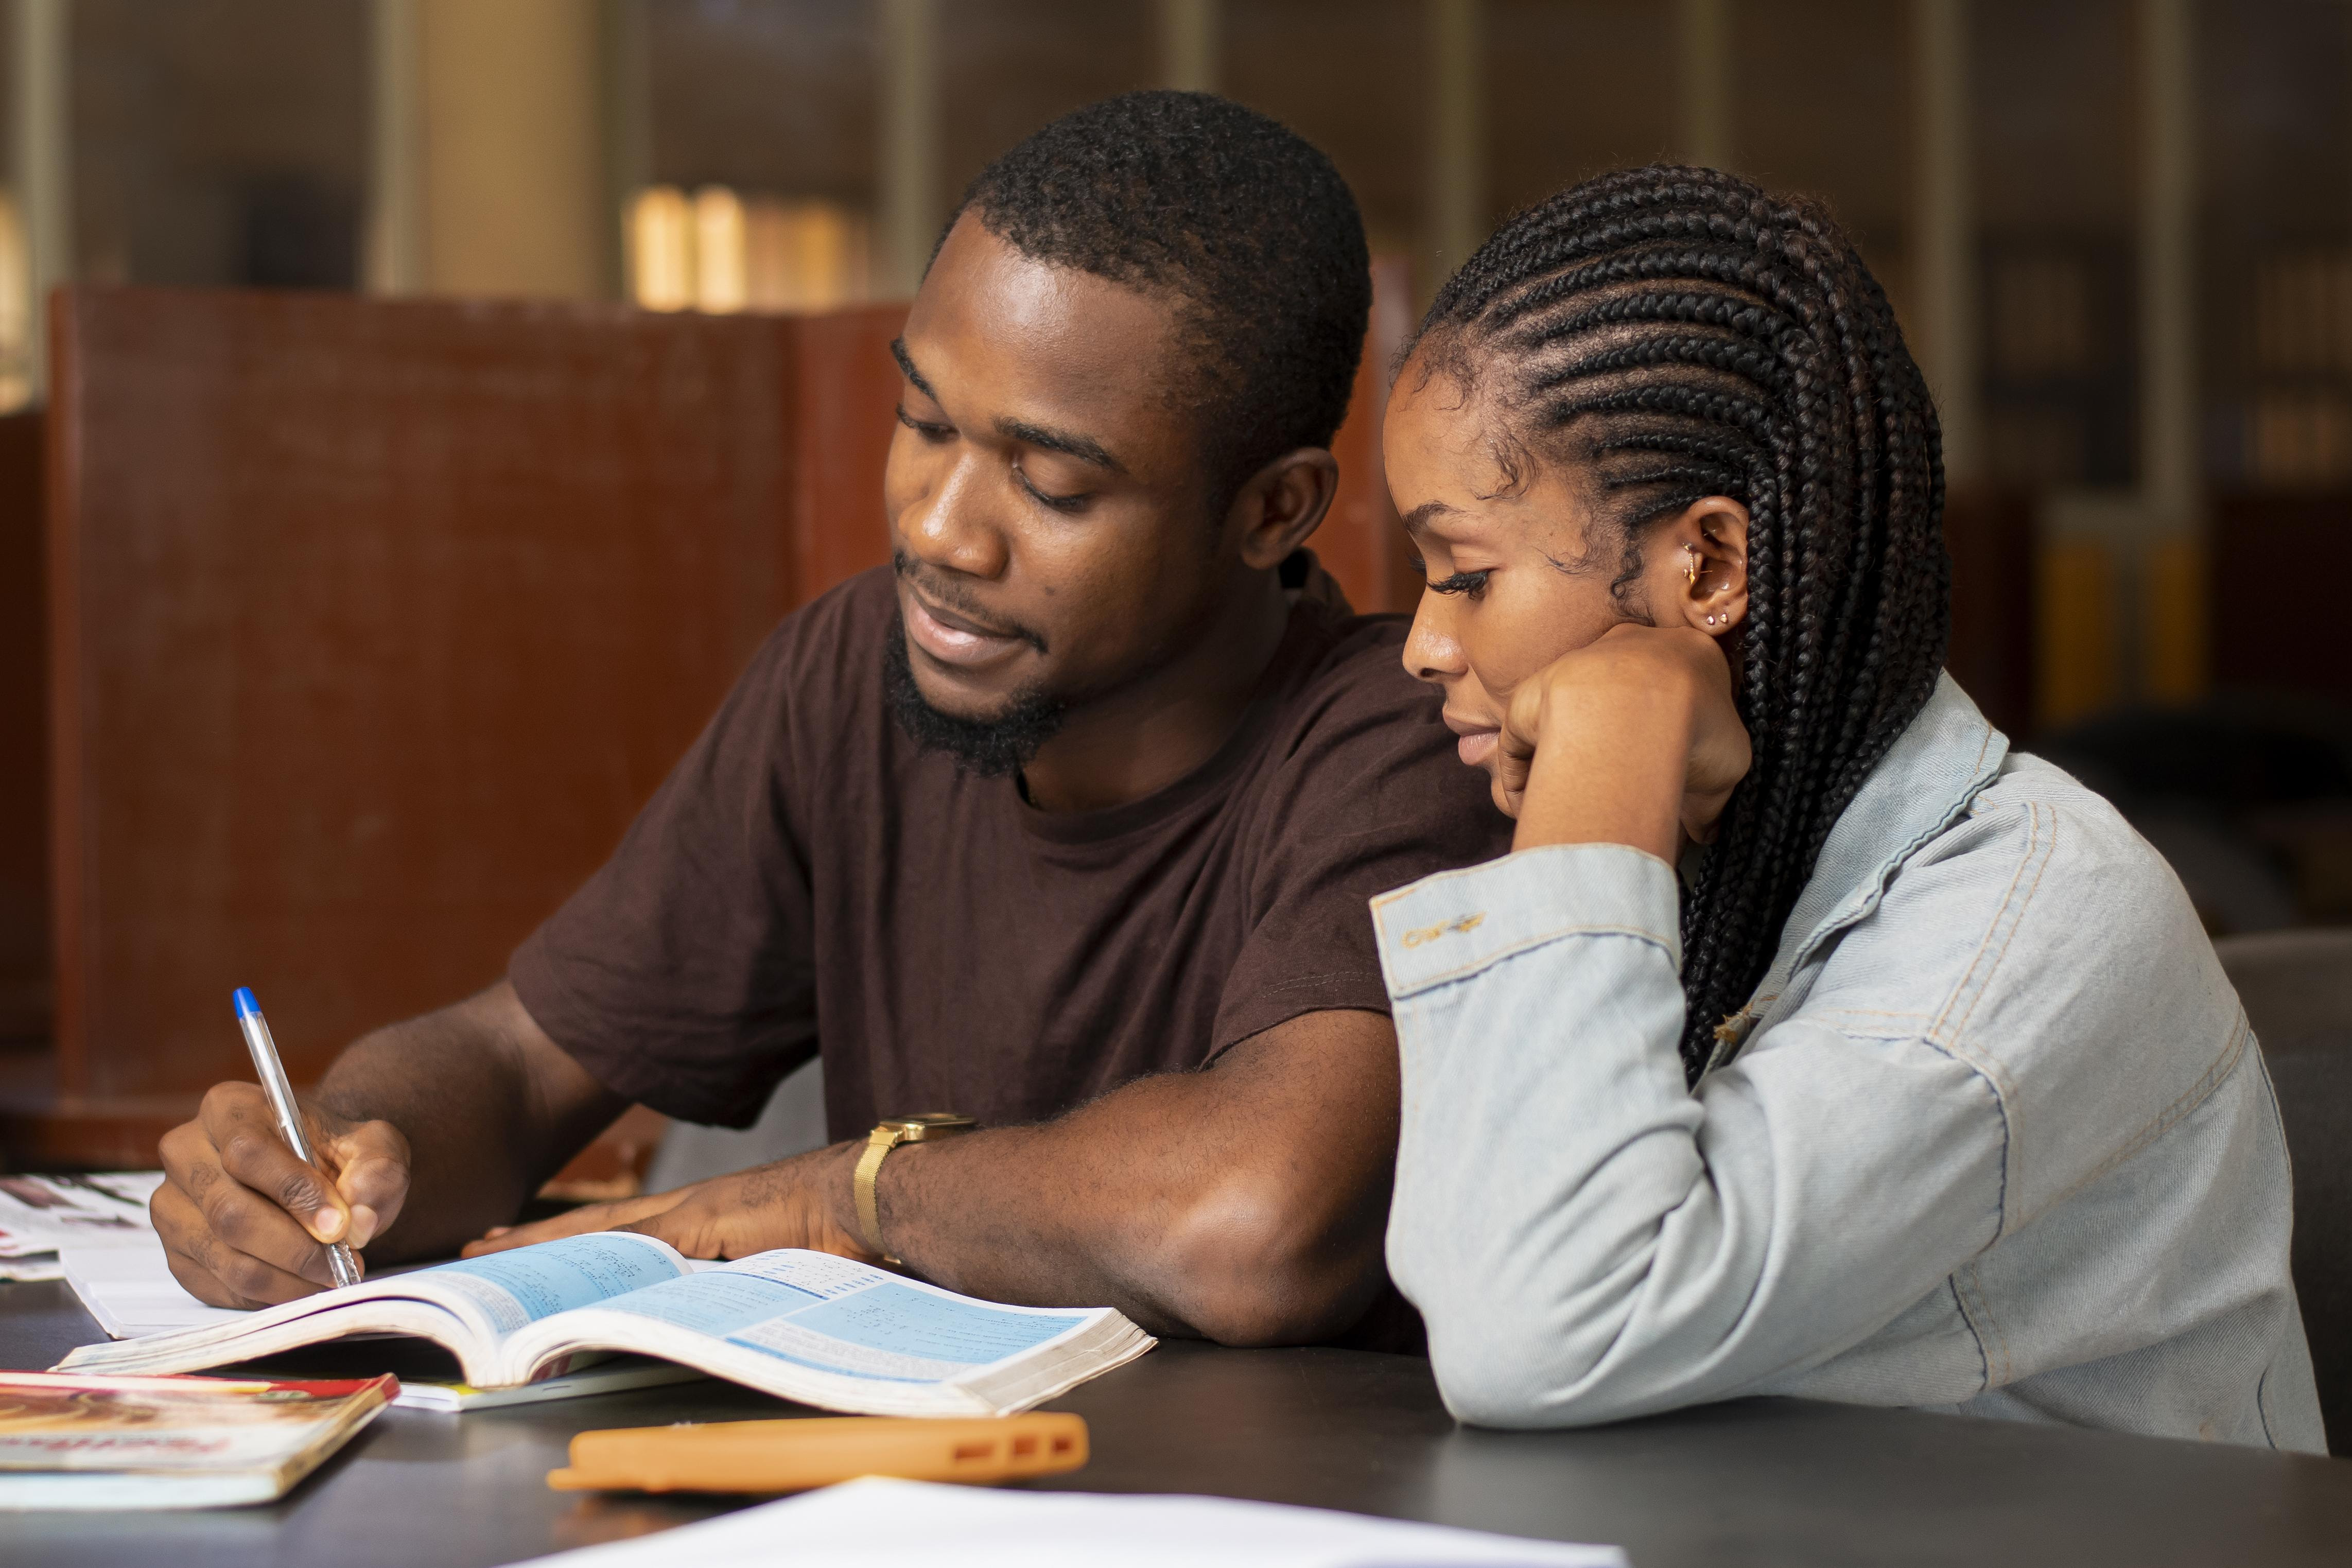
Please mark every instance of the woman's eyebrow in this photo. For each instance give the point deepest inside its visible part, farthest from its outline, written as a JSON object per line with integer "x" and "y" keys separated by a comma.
{"x": 1420, "y": 515}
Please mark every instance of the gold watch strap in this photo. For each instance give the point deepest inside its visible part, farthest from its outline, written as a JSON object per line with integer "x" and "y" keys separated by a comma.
{"x": 879, "y": 1142}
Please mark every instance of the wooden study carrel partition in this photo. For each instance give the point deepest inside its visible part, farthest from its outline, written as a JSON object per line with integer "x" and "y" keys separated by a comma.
{"x": 371, "y": 624}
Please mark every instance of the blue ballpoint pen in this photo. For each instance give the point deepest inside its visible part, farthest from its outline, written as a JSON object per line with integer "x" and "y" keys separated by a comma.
{"x": 272, "y": 1074}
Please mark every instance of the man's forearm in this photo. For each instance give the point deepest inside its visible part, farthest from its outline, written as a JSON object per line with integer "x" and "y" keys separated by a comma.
{"x": 487, "y": 1116}
{"x": 1245, "y": 1204}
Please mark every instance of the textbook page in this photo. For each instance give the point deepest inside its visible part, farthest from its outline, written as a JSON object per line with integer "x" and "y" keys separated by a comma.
{"x": 802, "y": 1325}
{"x": 879, "y": 1524}
{"x": 130, "y": 1289}
{"x": 845, "y": 1335}
{"x": 613, "y": 1376}
{"x": 469, "y": 1307}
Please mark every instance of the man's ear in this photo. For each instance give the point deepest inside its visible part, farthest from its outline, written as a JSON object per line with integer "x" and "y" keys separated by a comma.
{"x": 1702, "y": 563}
{"x": 1282, "y": 504}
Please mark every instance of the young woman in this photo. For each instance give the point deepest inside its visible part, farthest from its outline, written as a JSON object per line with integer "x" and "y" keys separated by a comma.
{"x": 1810, "y": 1041}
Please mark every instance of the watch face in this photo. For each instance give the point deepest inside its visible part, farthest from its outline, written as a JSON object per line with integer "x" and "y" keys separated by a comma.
{"x": 931, "y": 1122}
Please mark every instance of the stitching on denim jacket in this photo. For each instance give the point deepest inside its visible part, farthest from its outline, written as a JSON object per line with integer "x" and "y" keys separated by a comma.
{"x": 1865, "y": 899}
{"x": 2039, "y": 851}
{"x": 1952, "y": 1036}
{"x": 1968, "y": 1322}
{"x": 2270, "y": 1094}
{"x": 2172, "y": 1115}
{"x": 1540, "y": 938}
{"x": 2000, "y": 1338}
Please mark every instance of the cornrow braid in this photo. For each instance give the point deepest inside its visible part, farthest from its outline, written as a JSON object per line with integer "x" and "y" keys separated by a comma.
{"x": 1679, "y": 334}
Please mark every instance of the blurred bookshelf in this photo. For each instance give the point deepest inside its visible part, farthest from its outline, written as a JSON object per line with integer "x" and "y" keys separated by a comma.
{"x": 717, "y": 251}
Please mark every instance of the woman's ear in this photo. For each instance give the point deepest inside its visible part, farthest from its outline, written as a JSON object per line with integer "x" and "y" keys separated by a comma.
{"x": 1703, "y": 557}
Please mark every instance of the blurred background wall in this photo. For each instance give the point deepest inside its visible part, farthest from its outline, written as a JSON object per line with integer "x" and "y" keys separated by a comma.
{"x": 2118, "y": 232}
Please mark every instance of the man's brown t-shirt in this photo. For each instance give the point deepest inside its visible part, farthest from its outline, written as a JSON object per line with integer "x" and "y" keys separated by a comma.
{"x": 809, "y": 876}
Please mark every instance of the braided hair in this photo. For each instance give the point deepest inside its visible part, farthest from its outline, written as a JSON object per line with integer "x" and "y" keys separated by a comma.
{"x": 1677, "y": 334}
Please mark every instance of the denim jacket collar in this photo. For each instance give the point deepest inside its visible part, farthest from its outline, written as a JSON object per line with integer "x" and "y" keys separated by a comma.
{"x": 1924, "y": 784}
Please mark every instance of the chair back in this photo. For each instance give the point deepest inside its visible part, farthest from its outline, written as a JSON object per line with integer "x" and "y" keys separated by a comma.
{"x": 2297, "y": 990}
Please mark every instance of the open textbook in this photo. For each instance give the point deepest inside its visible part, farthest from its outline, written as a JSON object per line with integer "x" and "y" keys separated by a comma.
{"x": 802, "y": 1325}
{"x": 126, "y": 1283}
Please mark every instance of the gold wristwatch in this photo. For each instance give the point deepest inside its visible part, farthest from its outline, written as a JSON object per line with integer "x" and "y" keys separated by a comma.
{"x": 888, "y": 1135}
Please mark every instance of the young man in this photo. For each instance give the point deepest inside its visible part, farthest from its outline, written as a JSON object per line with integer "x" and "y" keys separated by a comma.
{"x": 1087, "y": 794}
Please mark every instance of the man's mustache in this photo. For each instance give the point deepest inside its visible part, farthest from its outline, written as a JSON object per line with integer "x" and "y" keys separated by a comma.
{"x": 949, "y": 594}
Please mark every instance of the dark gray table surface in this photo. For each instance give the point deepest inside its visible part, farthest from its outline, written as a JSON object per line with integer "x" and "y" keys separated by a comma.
{"x": 1758, "y": 1481}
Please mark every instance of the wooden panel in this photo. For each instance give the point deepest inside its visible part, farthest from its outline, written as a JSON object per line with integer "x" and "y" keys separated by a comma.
{"x": 1361, "y": 542}
{"x": 24, "y": 743}
{"x": 376, "y": 623}
{"x": 846, "y": 390}
{"x": 2263, "y": 547}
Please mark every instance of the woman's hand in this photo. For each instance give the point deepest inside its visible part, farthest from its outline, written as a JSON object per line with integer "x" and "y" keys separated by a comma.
{"x": 1633, "y": 739}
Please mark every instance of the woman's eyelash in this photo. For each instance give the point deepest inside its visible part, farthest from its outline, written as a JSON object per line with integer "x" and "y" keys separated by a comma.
{"x": 1471, "y": 583}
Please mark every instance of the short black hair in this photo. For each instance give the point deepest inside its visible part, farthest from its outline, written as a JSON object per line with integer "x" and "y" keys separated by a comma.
{"x": 1239, "y": 218}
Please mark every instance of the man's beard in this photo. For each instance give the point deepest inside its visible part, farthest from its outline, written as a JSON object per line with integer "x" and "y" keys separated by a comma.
{"x": 993, "y": 747}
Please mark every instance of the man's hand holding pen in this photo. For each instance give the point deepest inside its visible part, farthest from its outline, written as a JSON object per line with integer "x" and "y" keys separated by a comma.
{"x": 227, "y": 1214}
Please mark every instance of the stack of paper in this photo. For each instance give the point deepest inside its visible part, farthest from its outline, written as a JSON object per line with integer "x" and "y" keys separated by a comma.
{"x": 877, "y": 1523}
{"x": 41, "y": 1215}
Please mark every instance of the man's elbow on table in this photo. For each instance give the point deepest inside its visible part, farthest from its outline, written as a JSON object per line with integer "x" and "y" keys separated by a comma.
{"x": 1251, "y": 1269}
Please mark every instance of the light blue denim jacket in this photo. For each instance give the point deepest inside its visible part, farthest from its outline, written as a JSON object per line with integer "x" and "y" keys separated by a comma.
{"x": 1999, "y": 1141}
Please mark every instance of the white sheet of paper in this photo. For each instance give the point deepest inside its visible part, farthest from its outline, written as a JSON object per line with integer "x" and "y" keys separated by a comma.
{"x": 876, "y": 1523}
{"x": 128, "y": 1287}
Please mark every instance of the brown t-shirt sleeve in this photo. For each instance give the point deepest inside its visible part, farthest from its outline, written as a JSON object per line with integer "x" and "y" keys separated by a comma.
{"x": 1371, "y": 797}
{"x": 680, "y": 974}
